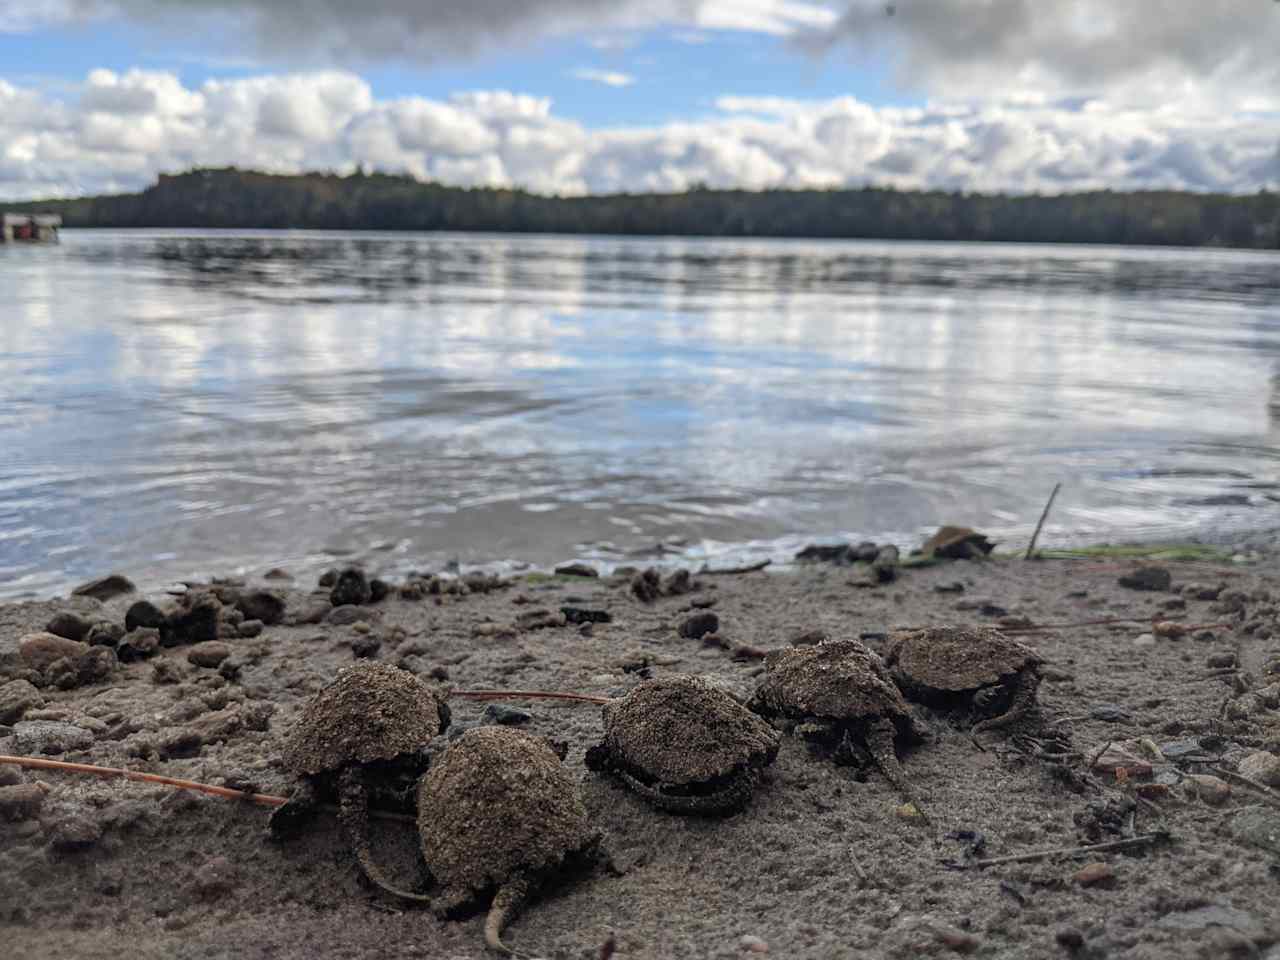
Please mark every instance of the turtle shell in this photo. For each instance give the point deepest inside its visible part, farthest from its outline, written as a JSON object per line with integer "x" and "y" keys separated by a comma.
{"x": 496, "y": 804}
{"x": 837, "y": 680}
{"x": 369, "y": 712}
{"x": 683, "y": 730}
{"x": 957, "y": 658}
{"x": 956, "y": 543}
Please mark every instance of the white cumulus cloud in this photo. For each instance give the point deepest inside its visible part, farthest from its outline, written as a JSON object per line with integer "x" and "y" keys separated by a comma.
{"x": 608, "y": 78}
{"x": 121, "y": 130}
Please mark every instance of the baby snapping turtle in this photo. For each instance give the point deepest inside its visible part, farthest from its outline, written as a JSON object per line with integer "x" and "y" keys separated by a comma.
{"x": 839, "y": 693}
{"x": 497, "y": 812}
{"x": 978, "y": 667}
{"x": 366, "y": 732}
{"x": 684, "y": 745}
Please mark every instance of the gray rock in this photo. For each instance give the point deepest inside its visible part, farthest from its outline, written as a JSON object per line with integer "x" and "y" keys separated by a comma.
{"x": 16, "y": 698}
{"x": 197, "y": 624}
{"x": 105, "y": 634}
{"x": 577, "y": 570}
{"x": 138, "y": 645}
{"x": 210, "y": 653}
{"x": 1263, "y": 767}
{"x": 1147, "y": 578}
{"x": 1258, "y": 827}
{"x": 262, "y": 605}
{"x": 503, "y": 715}
{"x": 180, "y": 743}
{"x": 250, "y": 629}
{"x": 344, "y": 615}
{"x": 105, "y": 588}
{"x": 1212, "y": 915}
{"x": 699, "y": 625}
{"x": 144, "y": 613}
{"x": 21, "y": 801}
{"x": 311, "y": 614}
{"x": 9, "y": 775}
{"x": 351, "y": 588}
{"x": 74, "y": 832}
{"x": 34, "y": 737}
{"x": 96, "y": 663}
{"x": 69, "y": 625}
{"x": 366, "y": 647}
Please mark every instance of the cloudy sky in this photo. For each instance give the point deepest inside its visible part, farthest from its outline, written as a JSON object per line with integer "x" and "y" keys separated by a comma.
{"x": 571, "y": 96}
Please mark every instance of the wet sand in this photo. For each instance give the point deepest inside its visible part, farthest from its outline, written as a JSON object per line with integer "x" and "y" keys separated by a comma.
{"x": 821, "y": 863}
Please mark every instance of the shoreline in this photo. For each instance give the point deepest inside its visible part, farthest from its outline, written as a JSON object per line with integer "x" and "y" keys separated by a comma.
{"x": 98, "y": 867}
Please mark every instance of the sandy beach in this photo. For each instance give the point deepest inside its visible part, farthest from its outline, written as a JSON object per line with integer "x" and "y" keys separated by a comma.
{"x": 1147, "y": 735}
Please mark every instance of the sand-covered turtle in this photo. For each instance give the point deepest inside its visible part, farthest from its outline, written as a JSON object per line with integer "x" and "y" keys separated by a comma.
{"x": 498, "y": 814}
{"x": 839, "y": 693}
{"x": 957, "y": 543}
{"x": 365, "y": 733}
{"x": 684, "y": 745}
{"x": 979, "y": 668}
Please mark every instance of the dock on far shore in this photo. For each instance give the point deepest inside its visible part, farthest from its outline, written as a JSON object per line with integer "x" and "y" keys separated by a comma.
{"x": 29, "y": 227}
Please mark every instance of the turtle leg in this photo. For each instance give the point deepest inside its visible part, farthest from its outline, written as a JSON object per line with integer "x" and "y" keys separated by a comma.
{"x": 506, "y": 904}
{"x": 287, "y": 820}
{"x": 879, "y": 737}
{"x": 353, "y": 812}
{"x": 1023, "y": 699}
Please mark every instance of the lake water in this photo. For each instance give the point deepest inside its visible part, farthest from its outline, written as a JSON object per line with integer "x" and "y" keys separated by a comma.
{"x": 185, "y": 404}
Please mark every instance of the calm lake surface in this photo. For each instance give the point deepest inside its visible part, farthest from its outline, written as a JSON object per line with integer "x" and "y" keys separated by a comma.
{"x": 185, "y": 404}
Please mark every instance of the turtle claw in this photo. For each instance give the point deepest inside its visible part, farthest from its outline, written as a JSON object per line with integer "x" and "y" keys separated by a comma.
{"x": 1023, "y": 699}
{"x": 880, "y": 744}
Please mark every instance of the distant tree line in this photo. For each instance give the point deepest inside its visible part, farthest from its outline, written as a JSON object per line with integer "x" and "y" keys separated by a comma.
{"x": 247, "y": 199}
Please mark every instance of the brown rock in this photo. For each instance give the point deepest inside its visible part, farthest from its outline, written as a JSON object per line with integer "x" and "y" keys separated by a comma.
{"x": 262, "y": 605}
{"x": 21, "y": 801}
{"x": 210, "y": 653}
{"x": 197, "y": 624}
{"x": 74, "y": 832}
{"x": 16, "y": 698}
{"x": 40, "y": 650}
{"x": 105, "y": 588}
{"x": 1097, "y": 874}
{"x": 69, "y": 625}
{"x": 1263, "y": 767}
{"x": 1211, "y": 790}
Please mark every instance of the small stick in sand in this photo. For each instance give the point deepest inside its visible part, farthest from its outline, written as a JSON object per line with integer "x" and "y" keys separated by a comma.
{"x": 752, "y": 568}
{"x": 1031, "y": 547}
{"x": 261, "y": 799}
{"x": 1139, "y": 841}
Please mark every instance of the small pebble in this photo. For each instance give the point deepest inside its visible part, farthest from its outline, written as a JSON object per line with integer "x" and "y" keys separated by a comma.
{"x": 1070, "y": 938}
{"x": 75, "y": 832}
{"x": 1210, "y": 789}
{"x": 34, "y": 737}
{"x": 144, "y": 613}
{"x": 16, "y": 698}
{"x": 909, "y": 812}
{"x": 699, "y": 625}
{"x": 576, "y": 570}
{"x": 753, "y": 944}
{"x": 1144, "y": 640}
{"x": 1097, "y": 874}
{"x": 42, "y": 650}
{"x": 1220, "y": 661}
{"x": 1262, "y": 767}
{"x": 1147, "y": 578}
{"x": 345, "y": 614}
{"x": 262, "y": 605}
{"x": 69, "y": 625}
{"x": 365, "y": 647}
{"x": 209, "y": 654}
{"x": 20, "y": 801}
{"x": 250, "y": 629}
{"x": 500, "y": 713}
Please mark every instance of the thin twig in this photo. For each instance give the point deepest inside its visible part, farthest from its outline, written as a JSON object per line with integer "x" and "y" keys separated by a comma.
{"x": 752, "y": 568}
{"x": 261, "y": 799}
{"x": 525, "y": 695}
{"x": 1125, "y": 844}
{"x": 1031, "y": 547}
{"x": 1110, "y": 621}
{"x": 39, "y": 763}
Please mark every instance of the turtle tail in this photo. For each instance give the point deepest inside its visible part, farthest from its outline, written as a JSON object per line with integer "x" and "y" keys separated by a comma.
{"x": 880, "y": 737}
{"x": 353, "y": 811}
{"x": 506, "y": 904}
